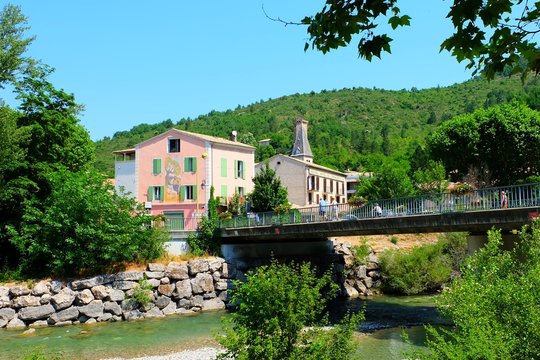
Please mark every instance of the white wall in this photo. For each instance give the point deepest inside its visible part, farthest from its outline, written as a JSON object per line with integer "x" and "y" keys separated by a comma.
{"x": 124, "y": 175}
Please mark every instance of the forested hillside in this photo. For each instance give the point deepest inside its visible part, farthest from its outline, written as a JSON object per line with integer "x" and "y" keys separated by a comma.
{"x": 349, "y": 128}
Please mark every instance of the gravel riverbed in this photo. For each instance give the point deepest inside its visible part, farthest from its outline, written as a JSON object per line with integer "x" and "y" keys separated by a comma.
{"x": 198, "y": 354}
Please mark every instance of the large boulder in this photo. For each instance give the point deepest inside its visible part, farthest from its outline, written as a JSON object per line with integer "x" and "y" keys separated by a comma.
{"x": 100, "y": 292}
{"x": 350, "y": 291}
{"x": 213, "y": 304}
{"x": 156, "y": 267}
{"x": 90, "y": 283}
{"x": 6, "y": 315}
{"x": 19, "y": 291}
{"x": 55, "y": 286}
{"x": 63, "y": 299}
{"x": 70, "y": 313}
{"x": 215, "y": 264}
{"x": 45, "y": 299}
{"x": 177, "y": 271}
{"x": 221, "y": 285}
{"x": 163, "y": 301}
{"x": 112, "y": 307}
{"x": 36, "y": 312}
{"x": 202, "y": 283}
{"x": 154, "y": 274}
{"x": 169, "y": 309}
{"x": 361, "y": 272}
{"x": 4, "y": 291}
{"x": 25, "y": 301}
{"x": 198, "y": 266}
{"x": 133, "y": 315}
{"x": 116, "y": 295}
{"x": 4, "y": 301}
{"x": 40, "y": 288}
{"x": 166, "y": 289}
{"x": 15, "y": 323}
{"x": 129, "y": 276}
{"x": 183, "y": 289}
{"x": 124, "y": 285}
{"x": 84, "y": 297}
{"x": 154, "y": 312}
{"x": 94, "y": 309}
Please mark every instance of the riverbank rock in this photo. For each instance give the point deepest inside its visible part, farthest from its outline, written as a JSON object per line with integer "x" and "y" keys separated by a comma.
{"x": 197, "y": 285}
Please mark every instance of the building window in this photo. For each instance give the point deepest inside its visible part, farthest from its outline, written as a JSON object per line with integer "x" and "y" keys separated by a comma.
{"x": 317, "y": 187}
{"x": 190, "y": 164}
{"x": 324, "y": 185}
{"x": 331, "y": 186}
{"x": 239, "y": 169}
{"x": 155, "y": 193}
{"x": 188, "y": 192}
{"x": 311, "y": 182}
{"x": 223, "y": 167}
{"x": 156, "y": 166}
{"x": 174, "y": 145}
{"x": 240, "y": 190}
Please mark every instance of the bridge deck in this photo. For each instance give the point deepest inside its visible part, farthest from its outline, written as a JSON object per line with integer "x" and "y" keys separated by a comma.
{"x": 474, "y": 212}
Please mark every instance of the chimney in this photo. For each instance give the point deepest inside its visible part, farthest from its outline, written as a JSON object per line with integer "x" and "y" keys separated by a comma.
{"x": 232, "y": 136}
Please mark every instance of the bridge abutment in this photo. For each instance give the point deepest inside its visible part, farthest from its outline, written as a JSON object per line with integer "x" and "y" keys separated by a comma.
{"x": 316, "y": 248}
{"x": 477, "y": 241}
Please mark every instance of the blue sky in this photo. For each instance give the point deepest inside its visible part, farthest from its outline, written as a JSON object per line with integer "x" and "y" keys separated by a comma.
{"x": 132, "y": 62}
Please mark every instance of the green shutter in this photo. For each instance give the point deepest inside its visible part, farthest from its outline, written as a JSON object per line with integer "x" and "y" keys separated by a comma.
{"x": 223, "y": 167}
{"x": 150, "y": 193}
{"x": 235, "y": 169}
{"x": 156, "y": 165}
{"x": 194, "y": 192}
{"x": 186, "y": 164}
{"x": 161, "y": 192}
{"x": 243, "y": 170}
{"x": 194, "y": 164}
{"x": 182, "y": 193}
{"x": 224, "y": 191}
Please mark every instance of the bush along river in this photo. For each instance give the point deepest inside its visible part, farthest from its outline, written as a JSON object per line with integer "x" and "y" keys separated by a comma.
{"x": 379, "y": 336}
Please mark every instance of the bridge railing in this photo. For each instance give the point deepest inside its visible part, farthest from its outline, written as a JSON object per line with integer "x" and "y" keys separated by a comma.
{"x": 518, "y": 196}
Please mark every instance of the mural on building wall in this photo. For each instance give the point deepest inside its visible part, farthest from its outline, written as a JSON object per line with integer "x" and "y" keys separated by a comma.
{"x": 172, "y": 179}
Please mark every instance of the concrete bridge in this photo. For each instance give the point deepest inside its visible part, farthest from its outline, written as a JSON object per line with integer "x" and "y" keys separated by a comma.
{"x": 476, "y": 211}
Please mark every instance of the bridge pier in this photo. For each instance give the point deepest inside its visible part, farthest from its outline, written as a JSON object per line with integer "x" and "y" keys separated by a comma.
{"x": 476, "y": 241}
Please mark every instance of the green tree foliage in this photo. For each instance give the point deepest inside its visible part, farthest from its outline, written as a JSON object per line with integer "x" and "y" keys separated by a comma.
{"x": 275, "y": 305}
{"x": 206, "y": 240}
{"x": 504, "y": 140}
{"x": 494, "y": 305}
{"x": 83, "y": 225}
{"x": 391, "y": 182}
{"x": 431, "y": 179}
{"x": 268, "y": 193}
{"x": 491, "y": 35}
{"x": 13, "y": 44}
{"x": 345, "y": 126}
{"x": 426, "y": 268}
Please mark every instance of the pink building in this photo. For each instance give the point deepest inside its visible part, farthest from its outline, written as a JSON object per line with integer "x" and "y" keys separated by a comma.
{"x": 172, "y": 173}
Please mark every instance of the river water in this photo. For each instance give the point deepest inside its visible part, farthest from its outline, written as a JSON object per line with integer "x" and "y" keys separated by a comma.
{"x": 379, "y": 336}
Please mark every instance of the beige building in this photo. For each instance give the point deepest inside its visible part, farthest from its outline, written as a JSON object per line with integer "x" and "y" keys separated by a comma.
{"x": 305, "y": 181}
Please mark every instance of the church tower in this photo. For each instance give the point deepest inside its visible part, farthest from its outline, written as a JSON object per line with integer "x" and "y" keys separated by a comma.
{"x": 301, "y": 149}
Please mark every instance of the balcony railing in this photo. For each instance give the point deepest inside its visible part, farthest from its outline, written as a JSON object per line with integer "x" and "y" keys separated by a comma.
{"x": 182, "y": 223}
{"x": 518, "y": 196}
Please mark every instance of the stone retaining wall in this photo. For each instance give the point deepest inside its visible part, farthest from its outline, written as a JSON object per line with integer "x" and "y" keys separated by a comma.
{"x": 357, "y": 279}
{"x": 177, "y": 288}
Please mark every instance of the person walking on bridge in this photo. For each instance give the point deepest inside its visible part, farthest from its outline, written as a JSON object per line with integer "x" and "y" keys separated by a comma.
{"x": 504, "y": 200}
{"x": 377, "y": 211}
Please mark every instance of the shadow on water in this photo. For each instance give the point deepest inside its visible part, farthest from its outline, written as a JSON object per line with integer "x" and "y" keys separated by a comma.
{"x": 382, "y": 312}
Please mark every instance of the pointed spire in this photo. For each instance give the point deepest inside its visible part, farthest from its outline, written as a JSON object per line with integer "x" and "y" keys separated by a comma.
{"x": 301, "y": 149}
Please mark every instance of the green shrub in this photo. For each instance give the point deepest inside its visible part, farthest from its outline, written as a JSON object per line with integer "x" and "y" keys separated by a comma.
{"x": 393, "y": 240}
{"x": 83, "y": 225}
{"x": 361, "y": 252}
{"x": 422, "y": 270}
{"x": 276, "y": 304}
{"x": 142, "y": 293}
{"x": 494, "y": 305}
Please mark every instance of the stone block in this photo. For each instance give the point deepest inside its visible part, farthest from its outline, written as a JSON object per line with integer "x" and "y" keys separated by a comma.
{"x": 105, "y": 317}
{"x": 177, "y": 271}
{"x": 154, "y": 312}
{"x": 84, "y": 297}
{"x": 25, "y": 301}
{"x": 169, "y": 309}
{"x": 228, "y": 270}
{"x": 36, "y": 312}
{"x": 45, "y": 299}
{"x": 39, "y": 324}
{"x": 124, "y": 285}
{"x": 154, "y": 282}
{"x": 15, "y": 323}
{"x": 156, "y": 267}
{"x": 116, "y": 295}
{"x": 215, "y": 264}
{"x": 198, "y": 266}
{"x": 163, "y": 301}
{"x": 90, "y": 283}
{"x": 166, "y": 289}
{"x": 202, "y": 283}
{"x": 41, "y": 288}
{"x": 63, "y": 299}
{"x": 154, "y": 274}
{"x": 94, "y": 309}
{"x": 19, "y": 291}
{"x": 183, "y": 289}
{"x": 100, "y": 292}
{"x": 112, "y": 307}
{"x": 71, "y": 313}
{"x": 129, "y": 276}
{"x": 361, "y": 272}
{"x": 213, "y": 304}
